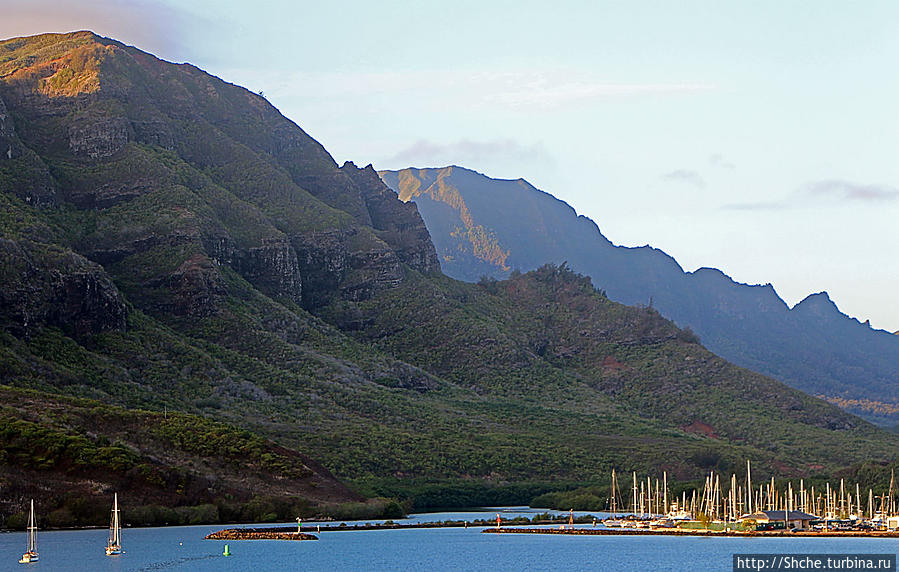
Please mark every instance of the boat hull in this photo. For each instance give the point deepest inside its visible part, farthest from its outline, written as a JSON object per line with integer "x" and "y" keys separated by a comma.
{"x": 28, "y": 558}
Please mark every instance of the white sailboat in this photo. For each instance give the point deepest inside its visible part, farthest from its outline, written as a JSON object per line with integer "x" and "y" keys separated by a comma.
{"x": 31, "y": 554}
{"x": 613, "y": 520}
{"x": 114, "y": 544}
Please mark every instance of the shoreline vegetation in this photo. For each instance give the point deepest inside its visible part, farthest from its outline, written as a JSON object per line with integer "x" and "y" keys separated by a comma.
{"x": 717, "y": 499}
{"x": 257, "y": 511}
{"x": 708, "y": 503}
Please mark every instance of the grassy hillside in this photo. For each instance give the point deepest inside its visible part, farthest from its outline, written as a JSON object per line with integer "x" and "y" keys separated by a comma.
{"x": 71, "y": 454}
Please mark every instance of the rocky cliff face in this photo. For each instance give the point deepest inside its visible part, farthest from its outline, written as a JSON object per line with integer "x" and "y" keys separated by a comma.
{"x": 275, "y": 270}
{"x": 196, "y": 288}
{"x": 398, "y": 223}
{"x": 94, "y": 134}
{"x": 50, "y": 286}
{"x": 22, "y": 173}
{"x": 354, "y": 263}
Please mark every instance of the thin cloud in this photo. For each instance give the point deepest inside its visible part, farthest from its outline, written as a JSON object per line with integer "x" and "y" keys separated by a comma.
{"x": 685, "y": 176}
{"x": 830, "y": 192}
{"x": 849, "y": 191}
{"x": 567, "y": 93}
{"x": 760, "y": 206}
{"x": 467, "y": 153}
{"x": 473, "y": 87}
{"x": 147, "y": 24}
{"x": 718, "y": 160}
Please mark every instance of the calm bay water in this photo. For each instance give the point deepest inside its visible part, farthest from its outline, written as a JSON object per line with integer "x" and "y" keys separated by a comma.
{"x": 183, "y": 548}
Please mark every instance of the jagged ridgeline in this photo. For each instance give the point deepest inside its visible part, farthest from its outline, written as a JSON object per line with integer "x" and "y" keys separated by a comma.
{"x": 170, "y": 240}
{"x": 483, "y": 226}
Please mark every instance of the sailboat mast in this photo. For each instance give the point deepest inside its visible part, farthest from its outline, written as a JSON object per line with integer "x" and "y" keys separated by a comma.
{"x": 612, "y": 500}
{"x": 642, "y": 497}
{"x": 858, "y": 501}
{"x": 635, "y": 492}
{"x": 665, "y": 487}
{"x": 115, "y": 517}
{"x": 748, "y": 489}
{"x": 114, "y": 545}
{"x": 892, "y": 482}
{"x": 32, "y": 528}
{"x": 733, "y": 496}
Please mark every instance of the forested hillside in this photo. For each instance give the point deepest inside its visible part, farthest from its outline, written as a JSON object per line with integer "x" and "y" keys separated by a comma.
{"x": 173, "y": 243}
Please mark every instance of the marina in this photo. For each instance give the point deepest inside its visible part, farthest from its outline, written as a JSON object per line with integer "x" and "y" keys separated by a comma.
{"x": 735, "y": 505}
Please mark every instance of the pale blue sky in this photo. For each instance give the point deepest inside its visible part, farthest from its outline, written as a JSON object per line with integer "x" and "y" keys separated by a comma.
{"x": 757, "y": 137}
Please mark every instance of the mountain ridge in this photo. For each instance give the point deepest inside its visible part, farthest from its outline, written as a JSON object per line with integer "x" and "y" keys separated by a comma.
{"x": 732, "y": 319}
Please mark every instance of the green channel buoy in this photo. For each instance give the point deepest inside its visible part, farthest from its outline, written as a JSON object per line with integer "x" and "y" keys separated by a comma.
{"x": 226, "y": 552}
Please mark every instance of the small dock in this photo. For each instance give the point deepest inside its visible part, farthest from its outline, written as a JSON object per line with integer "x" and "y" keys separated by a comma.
{"x": 259, "y": 534}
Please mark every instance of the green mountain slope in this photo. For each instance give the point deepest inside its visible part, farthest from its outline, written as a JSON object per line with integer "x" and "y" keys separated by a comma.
{"x": 171, "y": 241}
{"x": 549, "y": 337}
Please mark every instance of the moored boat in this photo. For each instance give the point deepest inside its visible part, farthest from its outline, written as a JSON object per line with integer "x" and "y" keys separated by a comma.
{"x": 614, "y": 521}
{"x": 114, "y": 544}
{"x": 31, "y": 554}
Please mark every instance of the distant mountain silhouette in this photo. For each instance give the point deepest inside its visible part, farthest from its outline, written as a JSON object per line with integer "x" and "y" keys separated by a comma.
{"x": 483, "y": 226}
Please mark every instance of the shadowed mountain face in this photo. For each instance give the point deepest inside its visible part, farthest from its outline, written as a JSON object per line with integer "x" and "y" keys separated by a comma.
{"x": 487, "y": 227}
{"x": 170, "y": 240}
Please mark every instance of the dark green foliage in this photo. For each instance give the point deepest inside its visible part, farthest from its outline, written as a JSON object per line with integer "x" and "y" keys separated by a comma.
{"x": 580, "y": 499}
{"x": 450, "y": 494}
{"x": 172, "y": 458}
{"x": 32, "y": 446}
{"x": 548, "y": 337}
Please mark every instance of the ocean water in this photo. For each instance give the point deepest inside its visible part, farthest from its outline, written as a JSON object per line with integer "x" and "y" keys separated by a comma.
{"x": 183, "y": 549}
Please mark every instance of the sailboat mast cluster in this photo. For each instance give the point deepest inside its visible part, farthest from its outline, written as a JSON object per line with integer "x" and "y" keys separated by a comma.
{"x": 737, "y": 499}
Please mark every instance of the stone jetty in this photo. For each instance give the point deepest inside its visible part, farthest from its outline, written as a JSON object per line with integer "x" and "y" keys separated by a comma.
{"x": 259, "y": 534}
